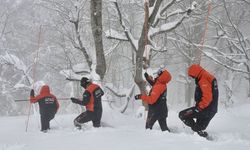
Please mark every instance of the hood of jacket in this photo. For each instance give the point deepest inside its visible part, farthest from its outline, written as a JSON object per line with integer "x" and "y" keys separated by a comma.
{"x": 164, "y": 78}
{"x": 45, "y": 90}
{"x": 194, "y": 70}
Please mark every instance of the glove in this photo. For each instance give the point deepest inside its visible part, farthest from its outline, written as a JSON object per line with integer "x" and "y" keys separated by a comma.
{"x": 74, "y": 100}
{"x": 189, "y": 11}
{"x": 32, "y": 93}
{"x": 146, "y": 75}
{"x": 138, "y": 96}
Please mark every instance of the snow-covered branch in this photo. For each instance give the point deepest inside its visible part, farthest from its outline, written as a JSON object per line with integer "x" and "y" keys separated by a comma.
{"x": 247, "y": 2}
{"x": 126, "y": 93}
{"x": 128, "y": 34}
{"x": 212, "y": 56}
{"x": 9, "y": 59}
{"x": 112, "y": 49}
{"x": 113, "y": 34}
{"x": 238, "y": 34}
{"x": 166, "y": 27}
{"x": 115, "y": 91}
{"x": 159, "y": 16}
{"x": 223, "y": 64}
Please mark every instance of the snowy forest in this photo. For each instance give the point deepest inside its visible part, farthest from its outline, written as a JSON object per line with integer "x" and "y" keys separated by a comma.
{"x": 58, "y": 41}
{"x": 113, "y": 43}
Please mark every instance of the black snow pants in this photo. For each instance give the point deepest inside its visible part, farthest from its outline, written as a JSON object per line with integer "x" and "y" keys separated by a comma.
{"x": 197, "y": 121}
{"x": 162, "y": 122}
{"x": 45, "y": 120}
{"x": 87, "y": 116}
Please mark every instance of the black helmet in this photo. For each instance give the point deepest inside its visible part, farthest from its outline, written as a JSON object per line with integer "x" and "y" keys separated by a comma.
{"x": 84, "y": 82}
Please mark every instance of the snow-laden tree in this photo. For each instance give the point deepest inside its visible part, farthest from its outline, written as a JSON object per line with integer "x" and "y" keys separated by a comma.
{"x": 226, "y": 41}
{"x": 73, "y": 22}
{"x": 152, "y": 14}
{"x": 232, "y": 40}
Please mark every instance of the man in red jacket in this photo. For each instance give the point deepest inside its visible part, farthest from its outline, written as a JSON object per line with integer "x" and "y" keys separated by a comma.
{"x": 92, "y": 100}
{"x": 48, "y": 106}
{"x": 206, "y": 98}
{"x": 156, "y": 100}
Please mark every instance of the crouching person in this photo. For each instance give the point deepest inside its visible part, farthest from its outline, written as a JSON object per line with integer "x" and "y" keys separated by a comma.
{"x": 206, "y": 98}
{"x": 48, "y": 106}
{"x": 92, "y": 100}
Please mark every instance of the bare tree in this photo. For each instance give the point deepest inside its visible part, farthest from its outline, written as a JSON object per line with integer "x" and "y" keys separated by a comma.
{"x": 151, "y": 27}
{"x": 72, "y": 16}
{"x": 226, "y": 43}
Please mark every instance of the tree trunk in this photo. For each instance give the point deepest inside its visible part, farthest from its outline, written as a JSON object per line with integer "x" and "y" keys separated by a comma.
{"x": 139, "y": 54}
{"x": 96, "y": 26}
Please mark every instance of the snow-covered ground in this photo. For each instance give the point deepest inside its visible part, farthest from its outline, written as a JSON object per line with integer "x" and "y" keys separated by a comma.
{"x": 230, "y": 128}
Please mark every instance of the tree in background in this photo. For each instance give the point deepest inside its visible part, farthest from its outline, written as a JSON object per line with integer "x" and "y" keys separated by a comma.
{"x": 150, "y": 28}
{"x": 96, "y": 26}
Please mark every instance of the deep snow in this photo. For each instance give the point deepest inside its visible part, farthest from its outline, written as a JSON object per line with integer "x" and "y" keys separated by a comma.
{"x": 230, "y": 128}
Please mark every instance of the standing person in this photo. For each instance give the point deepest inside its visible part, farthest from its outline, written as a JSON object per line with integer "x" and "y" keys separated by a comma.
{"x": 156, "y": 100}
{"x": 92, "y": 100}
{"x": 48, "y": 106}
{"x": 206, "y": 98}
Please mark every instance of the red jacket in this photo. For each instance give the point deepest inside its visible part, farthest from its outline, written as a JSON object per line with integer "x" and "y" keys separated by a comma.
{"x": 158, "y": 88}
{"x": 44, "y": 92}
{"x": 205, "y": 83}
{"x": 91, "y": 89}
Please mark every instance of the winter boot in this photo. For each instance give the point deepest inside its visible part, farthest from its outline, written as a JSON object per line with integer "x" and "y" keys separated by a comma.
{"x": 202, "y": 133}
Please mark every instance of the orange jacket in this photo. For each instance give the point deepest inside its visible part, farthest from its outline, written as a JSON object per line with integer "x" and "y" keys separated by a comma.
{"x": 205, "y": 80}
{"x": 94, "y": 101}
{"x": 158, "y": 88}
{"x": 44, "y": 92}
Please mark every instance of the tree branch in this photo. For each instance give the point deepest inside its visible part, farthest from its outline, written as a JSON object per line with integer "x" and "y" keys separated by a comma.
{"x": 131, "y": 39}
{"x": 166, "y": 27}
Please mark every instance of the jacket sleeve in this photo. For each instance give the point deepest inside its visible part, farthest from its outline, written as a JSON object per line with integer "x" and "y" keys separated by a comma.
{"x": 206, "y": 98}
{"x": 34, "y": 99}
{"x": 153, "y": 96}
{"x": 57, "y": 103}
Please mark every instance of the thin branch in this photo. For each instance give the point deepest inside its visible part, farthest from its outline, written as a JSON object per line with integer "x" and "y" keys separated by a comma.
{"x": 126, "y": 31}
{"x": 237, "y": 31}
{"x": 166, "y": 27}
{"x": 116, "y": 93}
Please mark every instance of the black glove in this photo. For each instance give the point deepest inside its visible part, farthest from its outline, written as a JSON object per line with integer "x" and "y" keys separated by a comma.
{"x": 32, "y": 93}
{"x": 137, "y": 96}
{"x": 74, "y": 100}
{"x": 146, "y": 75}
{"x": 189, "y": 11}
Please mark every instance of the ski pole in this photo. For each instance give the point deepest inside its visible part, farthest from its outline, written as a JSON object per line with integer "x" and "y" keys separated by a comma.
{"x": 62, "y": 99}
{"x": 23, "y": 100}
{"x": 28, "y": 118}
{"x": 34, "y": 73}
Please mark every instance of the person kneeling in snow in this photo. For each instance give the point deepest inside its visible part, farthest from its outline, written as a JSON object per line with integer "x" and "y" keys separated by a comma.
{"x": 206, "y": 98}
{"x": 48, "y": 106}
{"x": 156, "y": 100}
{"x": 92, "y": 100}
